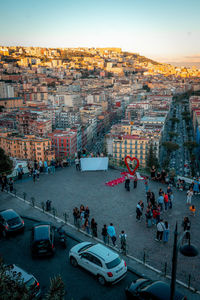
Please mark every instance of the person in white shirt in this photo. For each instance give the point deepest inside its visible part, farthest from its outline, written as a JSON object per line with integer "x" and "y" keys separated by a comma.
{"x": 189, "y": 195}
{"x": 160, "y": 229}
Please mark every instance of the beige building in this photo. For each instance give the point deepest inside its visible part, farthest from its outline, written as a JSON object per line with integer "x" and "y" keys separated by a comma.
{"x": 28, "y": 147}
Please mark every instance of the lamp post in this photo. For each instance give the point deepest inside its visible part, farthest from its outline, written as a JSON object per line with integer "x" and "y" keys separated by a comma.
{"x": 186, "y": 250}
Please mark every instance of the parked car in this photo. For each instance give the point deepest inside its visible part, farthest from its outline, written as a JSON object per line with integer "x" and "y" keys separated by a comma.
{"x": 101, "y": 261}
{"x": 42, "y": 240}
{"x": 10, "y": 221}
{"x": 29, "y": 280}
{"x": 148, "y": 289}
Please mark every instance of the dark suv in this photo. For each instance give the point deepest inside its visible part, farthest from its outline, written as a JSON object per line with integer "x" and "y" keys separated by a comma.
{"x": 42, "y": 240}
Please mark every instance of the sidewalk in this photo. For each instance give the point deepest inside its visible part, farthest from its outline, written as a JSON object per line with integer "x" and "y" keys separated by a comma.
{"x": 68, "y": 188}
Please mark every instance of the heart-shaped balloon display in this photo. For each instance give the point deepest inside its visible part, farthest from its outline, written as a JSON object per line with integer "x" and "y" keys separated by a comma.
{"x": 127, "y": 165}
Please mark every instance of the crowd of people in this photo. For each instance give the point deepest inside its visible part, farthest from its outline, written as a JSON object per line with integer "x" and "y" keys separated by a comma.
{"x": 83, "y": 221}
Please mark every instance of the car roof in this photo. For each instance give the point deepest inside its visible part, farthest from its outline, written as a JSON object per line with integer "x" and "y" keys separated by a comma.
{"x": 24, "y": 275}
{"x": 41, "y": 231}
{"x": 9, "y": 214}
{"x": 162, "y": 289}
{"x": 103, "y": 252}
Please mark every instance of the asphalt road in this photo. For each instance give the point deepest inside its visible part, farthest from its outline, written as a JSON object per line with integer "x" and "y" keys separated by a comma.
{"x": 79, "y": 283}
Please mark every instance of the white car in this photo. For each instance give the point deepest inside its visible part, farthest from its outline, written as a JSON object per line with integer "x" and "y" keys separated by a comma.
{"x": 104, "y": 263}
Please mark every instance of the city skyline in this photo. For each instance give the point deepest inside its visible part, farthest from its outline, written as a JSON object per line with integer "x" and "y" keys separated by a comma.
{"x": 161, "y": 31}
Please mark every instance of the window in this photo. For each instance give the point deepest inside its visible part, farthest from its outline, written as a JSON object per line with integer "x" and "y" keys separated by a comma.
{"x": 96, "y": 261}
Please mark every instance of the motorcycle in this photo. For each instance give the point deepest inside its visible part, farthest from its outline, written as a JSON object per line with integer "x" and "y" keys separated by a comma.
{"x": 62, "y": 236}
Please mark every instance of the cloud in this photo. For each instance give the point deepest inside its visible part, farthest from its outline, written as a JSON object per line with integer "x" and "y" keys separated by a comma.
{"x": 196, "y": 56}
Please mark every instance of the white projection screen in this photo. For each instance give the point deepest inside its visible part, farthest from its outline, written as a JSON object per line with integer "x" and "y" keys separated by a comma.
{"x": 94, "y": 164}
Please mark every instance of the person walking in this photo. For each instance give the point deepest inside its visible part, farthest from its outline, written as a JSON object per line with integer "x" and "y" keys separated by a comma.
{"x": 104, "y": 234}
{"x": 189, "y": 195}
{"x": 112, "y": 233}
{"x": 166, "y": 232}
{"x": 93, "y": 227}
{"x": 160, "y": 229}
{"x": 123, "y": 238}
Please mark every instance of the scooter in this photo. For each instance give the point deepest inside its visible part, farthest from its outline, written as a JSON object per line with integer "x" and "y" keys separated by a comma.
{"x": 62, "y": 236}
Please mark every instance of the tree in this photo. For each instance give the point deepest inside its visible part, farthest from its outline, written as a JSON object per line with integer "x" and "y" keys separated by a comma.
{"x": 151, "y": 158}
{"x": 190, "y": 145}
{"x": 170, "y": 146}
{"x": 6, "y": 164}
{"x": 174, "y": 120}
{"x": 13, "y": 287}
{"x": 172, "y": 134}
{"x": 57, "y": 289}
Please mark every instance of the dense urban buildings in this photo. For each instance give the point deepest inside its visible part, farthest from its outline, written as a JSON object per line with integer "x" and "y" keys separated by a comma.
{"x": 56, "y": 102}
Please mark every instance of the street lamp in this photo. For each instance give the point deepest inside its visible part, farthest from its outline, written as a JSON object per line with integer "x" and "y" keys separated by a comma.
{"x": 186, "y": 249}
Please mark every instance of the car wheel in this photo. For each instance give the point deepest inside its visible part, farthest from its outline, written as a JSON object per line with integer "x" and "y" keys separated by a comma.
{"x": 101, "y": 280}
{"x": 73, "y": 261}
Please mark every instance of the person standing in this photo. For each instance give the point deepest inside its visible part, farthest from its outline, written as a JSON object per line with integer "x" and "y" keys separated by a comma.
{"x": 166, "y": 201}
{"x": 46, "y": 167}
{"x": 75, "y": 215}
{"x": 139, "y": 210}
{"x": 77, "y": 164}
{"x": 160, "y": 229}
{"x": 86, "y": 226}
{"x": 112, "y": 233}
{"x": 189, "y": 195}
{"x": 53, "y": 166}
{"x": 4, "y": 182}
{"x": 123, "y": 238}
{"x": 146, "y": 183}
{"x": 34, "y": 175}
{"x": 196, "y": 186}
{"x": 104, "y": 234}
{"x": 135, "y": 181}
{"x": 153, "y": 173}
{"x": 166, "y": 232}
{"x": 93, "y": 227}
{"x": 127, "y": 183}
{"x": 11, "y": 183}
{"x": 161, "y": 201}
{"x": 41, "y": 166}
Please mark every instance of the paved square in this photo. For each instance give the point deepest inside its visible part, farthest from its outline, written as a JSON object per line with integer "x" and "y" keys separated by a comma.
{"x": 69, "y": 188}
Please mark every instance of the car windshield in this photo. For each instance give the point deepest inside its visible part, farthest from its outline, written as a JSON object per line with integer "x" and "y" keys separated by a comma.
{"x": 114, "y": 263}
{"x": 85, "y": 247}
{"x": 144, "y": 284}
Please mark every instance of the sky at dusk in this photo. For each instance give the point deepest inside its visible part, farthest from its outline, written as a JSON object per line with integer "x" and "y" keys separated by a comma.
{"x": 166, "y": 30}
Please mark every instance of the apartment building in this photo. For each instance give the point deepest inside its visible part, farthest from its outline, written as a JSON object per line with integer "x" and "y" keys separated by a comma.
{"x": 11, "y": 103}
{"x": 28, "y": 147}
{"x": 132, "y": 145}
{"x": 64, "y": 143}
